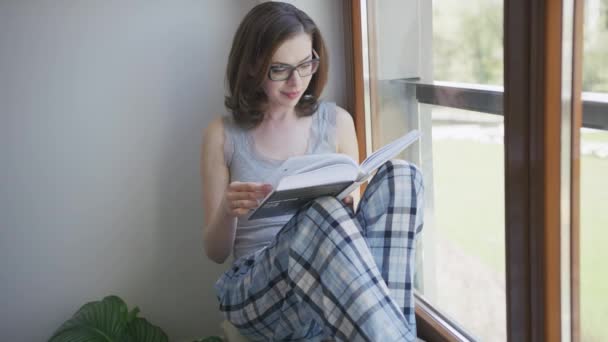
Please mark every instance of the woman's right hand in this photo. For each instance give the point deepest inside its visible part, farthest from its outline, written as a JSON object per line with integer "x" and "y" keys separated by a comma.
{"x": 241, "y": 197}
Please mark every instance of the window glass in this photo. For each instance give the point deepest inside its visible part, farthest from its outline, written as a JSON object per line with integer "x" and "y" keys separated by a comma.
{"x": 593, "y": 234}
{"x": 468, "y": 257}
{"x": 437, "y": 66}
{"x": 593, "y": 182}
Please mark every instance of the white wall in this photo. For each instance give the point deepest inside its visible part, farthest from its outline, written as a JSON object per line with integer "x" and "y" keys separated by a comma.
{"x": 102, "y": 104}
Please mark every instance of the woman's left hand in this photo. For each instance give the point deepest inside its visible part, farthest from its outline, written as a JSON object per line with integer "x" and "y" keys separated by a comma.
{"x": 348, "y": 201}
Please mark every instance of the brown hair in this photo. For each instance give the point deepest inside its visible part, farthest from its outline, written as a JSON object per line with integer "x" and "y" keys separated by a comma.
{"x": 259, "y": 35}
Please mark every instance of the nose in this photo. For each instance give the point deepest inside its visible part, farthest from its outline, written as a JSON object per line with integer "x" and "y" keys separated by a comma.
{"x": 294, "y": 78}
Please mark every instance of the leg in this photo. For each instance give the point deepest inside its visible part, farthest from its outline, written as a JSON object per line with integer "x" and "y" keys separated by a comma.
{"x": 318, "y": 275}
{"x": 391, "y": 214}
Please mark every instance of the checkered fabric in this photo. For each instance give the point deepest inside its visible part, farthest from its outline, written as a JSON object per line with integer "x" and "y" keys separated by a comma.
{"x": 332, "y": 273}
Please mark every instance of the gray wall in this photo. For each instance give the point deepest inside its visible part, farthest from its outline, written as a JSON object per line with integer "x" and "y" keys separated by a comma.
{"x": 102, "y": 105}
{"x": 327, "y": 14}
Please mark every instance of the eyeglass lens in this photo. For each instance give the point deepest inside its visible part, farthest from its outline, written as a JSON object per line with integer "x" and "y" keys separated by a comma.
{"x": 283, "y": 72}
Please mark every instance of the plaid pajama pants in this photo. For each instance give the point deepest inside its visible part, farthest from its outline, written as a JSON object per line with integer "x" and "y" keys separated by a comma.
{"x": 332, "y": 273}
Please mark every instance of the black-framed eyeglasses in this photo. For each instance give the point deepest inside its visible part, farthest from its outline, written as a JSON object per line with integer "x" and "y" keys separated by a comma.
{"x": 282, "y": 72}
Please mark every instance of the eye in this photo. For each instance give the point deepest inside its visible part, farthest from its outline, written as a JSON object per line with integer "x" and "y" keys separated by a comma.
{"x": 278, "y": 69}
{"x": 305, "y": 65}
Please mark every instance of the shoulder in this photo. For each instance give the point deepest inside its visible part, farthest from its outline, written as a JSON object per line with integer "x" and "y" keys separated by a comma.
{"x": 218, "y": 138}
{"x": 345, "y": 131}
{"x": 335, "y": 115}
{"x": 345, "y": 126}
{"x": 213, "y": 135}
{"x": 343, "y": 118}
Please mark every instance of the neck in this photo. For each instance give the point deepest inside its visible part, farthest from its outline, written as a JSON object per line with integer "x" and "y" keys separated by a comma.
{"x": 277, "y": 115}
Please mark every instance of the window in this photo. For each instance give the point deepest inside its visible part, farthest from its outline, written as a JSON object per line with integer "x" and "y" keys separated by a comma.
{"x": 425, "y": 59}
{"x": 500, "y": 118}
{"x": 593, "y": 181}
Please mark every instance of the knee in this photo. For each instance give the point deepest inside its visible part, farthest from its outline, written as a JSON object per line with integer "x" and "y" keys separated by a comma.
{"x": 400, "y": 168}
{"x": 325, "y": 218}
{"x": 400, "y": 171}
{"x": 324, "y": 230}
{"x": 327, "y": 211}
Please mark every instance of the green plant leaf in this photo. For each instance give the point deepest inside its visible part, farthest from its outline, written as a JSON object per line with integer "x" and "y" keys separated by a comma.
{"x": 108, "y": 320}
{"x": 78, "y": 335}
{"x": 132, "y": 315}
{"x": 210, "y": 339}
{"x": 140, "y": 330}
{"x": 104, "y": 320}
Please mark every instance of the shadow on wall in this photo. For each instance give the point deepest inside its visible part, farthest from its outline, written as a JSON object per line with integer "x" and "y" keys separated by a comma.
{"x": 181, "y": 260}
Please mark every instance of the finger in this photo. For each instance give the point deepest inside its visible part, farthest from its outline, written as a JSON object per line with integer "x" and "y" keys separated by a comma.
{"x": 244, "y": 204}
{"x": 244, "y": 186}
{"x": 235, "y": 195}
{"x": 348, "y": 199}
{"x": 250, "y": 187}
{"x": 266, "y": 188}
{"x": 237, "y": 212}
{"x": 241, "y": 212}
{"x": 264, "y": 193}
{"x": 256, "y": 196}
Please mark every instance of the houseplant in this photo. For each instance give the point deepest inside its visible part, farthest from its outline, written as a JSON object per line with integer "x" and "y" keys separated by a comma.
{"x": 108, "y": 320}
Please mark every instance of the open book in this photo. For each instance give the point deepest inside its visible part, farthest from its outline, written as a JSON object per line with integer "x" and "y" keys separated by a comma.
{"x": 304, "y": 178}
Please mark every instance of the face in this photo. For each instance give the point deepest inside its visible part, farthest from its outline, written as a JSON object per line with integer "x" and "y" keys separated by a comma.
{"x": 286, "y": 94}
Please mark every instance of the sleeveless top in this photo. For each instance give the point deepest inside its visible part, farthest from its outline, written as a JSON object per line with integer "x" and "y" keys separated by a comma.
{"x": 247, "y": 165}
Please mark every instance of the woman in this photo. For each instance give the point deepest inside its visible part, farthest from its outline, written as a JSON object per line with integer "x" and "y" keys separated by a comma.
{"x": 328, "y": 272}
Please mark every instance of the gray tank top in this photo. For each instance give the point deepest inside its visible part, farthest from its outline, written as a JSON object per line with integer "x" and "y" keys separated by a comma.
{"x": 247, "y": 165}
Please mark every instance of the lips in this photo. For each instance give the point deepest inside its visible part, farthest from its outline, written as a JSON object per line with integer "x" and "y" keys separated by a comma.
{"x": 292, "y": 94}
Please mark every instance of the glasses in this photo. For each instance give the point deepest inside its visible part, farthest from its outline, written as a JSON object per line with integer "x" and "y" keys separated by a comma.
{"x": 282, "y": 72}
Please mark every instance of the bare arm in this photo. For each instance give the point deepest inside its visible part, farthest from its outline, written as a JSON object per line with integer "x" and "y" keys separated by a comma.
{"x": 347, "y": 142}
{"x": 223, "y": 202}
{"x": 219, "y": 227}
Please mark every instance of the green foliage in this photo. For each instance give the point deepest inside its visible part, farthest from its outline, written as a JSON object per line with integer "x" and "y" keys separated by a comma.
{"x": 210, "y": 339}
{"x": 468, "y": 43}
{"x": 595, "y": 49}
{"x": 108, "y": 321}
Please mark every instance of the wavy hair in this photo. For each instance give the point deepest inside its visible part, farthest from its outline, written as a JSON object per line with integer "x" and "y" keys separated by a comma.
{"x": 256, "y": 40}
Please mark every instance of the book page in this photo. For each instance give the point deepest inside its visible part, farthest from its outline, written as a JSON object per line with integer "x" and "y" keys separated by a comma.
{"x": 386, "y": 152}
{"x": 329, "y": 174}
{"x": 309, "y": 162}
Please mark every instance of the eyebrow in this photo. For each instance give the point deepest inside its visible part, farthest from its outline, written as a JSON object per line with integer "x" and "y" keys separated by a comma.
{"x": 303, "y": 60}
